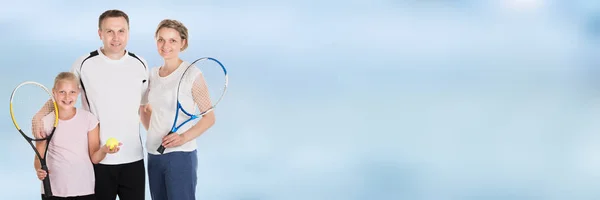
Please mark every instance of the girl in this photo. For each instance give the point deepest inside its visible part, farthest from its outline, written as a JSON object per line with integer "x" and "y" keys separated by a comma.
{"x": 172, "y": 175}
{"x": 75, "y": 144}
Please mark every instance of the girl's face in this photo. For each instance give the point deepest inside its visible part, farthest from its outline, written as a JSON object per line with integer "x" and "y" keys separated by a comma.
{"x": 66, "y": 92}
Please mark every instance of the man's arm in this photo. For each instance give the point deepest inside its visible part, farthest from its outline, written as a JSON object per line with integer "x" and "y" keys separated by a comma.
{"x": 145, "y": 113}
{"x": 37, "y": 121}
{"x": 145, "y": 109}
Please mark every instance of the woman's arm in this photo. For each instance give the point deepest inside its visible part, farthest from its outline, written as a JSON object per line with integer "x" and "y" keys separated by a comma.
{"x": 202, "y": 99}
{"x": 199, "y": 128}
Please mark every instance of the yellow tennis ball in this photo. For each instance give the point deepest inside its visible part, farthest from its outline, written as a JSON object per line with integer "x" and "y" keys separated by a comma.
{"x": 111, "y": 143}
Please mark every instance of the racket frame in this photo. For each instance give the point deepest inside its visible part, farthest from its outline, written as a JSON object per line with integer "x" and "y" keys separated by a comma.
{"x": 44, "y": 166}
{"x": 175, "y": 127}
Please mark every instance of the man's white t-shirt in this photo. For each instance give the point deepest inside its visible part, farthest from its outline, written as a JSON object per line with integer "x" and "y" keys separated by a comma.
{"x": 113, "y": 91}
{"x": 163, "y": 99}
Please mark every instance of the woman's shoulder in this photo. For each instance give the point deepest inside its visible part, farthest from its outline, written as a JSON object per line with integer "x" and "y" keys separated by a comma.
{"x": 154, "y": 69}
{"x": 194, "y": 69}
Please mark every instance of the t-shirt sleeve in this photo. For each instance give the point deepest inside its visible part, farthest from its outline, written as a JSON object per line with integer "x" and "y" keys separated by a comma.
{"x": 145, "y": 87}
{"x": 92, "y": 121}
{"x": 75, "y": 67}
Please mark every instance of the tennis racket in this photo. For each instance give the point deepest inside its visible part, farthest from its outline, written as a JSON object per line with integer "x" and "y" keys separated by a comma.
{"x": 25, "y": 102}
{"x": 207, "y": 90}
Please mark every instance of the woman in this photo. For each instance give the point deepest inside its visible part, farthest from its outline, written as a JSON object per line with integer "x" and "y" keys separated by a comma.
{"x": 172, "y": 175}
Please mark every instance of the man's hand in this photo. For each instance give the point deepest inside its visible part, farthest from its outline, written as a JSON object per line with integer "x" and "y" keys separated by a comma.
{"x": 38, "y": 128}
{"x": 148, "y": 108}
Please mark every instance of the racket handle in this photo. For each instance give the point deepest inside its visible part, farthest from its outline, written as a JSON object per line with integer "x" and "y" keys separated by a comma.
{"x": 161, "y": 149}
{"x": 46, "y": 181}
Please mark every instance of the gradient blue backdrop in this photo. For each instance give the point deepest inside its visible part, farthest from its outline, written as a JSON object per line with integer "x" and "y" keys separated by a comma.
{"x": 349, "y": 100}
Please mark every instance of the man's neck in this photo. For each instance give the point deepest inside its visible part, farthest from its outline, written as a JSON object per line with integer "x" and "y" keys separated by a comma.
{"x": 113, "y": 56}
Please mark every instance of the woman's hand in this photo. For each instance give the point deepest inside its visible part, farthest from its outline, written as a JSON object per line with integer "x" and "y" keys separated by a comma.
{"x": 174, "y": 140}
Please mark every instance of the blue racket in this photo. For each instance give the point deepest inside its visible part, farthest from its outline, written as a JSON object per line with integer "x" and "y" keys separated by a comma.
{"x": 208, "y": 89}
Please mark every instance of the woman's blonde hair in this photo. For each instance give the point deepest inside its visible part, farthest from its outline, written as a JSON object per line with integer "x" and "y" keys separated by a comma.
{"x": 178, "y": 26}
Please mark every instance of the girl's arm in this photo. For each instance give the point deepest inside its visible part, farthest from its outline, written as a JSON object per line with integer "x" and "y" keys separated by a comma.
{"x": 98, "y": 152}
{"x": 40, "y": 146}
{"x": 202, "y": 99}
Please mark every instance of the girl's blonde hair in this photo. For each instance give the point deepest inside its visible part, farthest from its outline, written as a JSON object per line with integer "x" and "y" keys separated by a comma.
{"x": 66, "y": 76}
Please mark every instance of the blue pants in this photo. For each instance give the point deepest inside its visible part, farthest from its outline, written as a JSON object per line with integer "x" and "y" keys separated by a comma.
{"x": 172, "y": 176}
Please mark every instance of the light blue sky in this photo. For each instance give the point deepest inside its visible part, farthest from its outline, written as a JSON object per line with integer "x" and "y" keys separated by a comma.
{"x": 458, "y": 99}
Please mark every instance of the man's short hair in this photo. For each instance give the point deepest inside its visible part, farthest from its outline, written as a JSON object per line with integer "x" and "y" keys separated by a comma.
{"x": 112, "y": 13}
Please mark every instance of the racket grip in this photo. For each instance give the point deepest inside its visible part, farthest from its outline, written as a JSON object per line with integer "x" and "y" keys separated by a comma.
{"x": 161, "y": 149}
{"x": 46, "y": 181}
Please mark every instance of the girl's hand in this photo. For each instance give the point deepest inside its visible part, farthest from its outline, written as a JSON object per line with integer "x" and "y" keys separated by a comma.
{"x": 41, "y": 174}
{"x": 107, "y": 150}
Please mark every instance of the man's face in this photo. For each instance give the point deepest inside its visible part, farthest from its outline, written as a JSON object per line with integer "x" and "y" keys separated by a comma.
{"x": 114, "y": 33}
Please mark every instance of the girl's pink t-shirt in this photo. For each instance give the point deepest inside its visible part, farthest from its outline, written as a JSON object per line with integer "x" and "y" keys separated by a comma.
{"x": 70, "y": 168}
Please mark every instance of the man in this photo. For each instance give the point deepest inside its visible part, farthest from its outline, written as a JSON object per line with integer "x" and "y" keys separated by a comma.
{"x": 113, "y": 83}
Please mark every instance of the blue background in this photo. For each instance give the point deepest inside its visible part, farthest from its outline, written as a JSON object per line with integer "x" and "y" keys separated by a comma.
{"x": 455, "y": 99}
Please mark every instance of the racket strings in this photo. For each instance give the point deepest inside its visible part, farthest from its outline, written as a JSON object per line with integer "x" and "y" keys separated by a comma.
{"x": 44, "y": 118}
{"x": 31, "y": 105}
{"x": 201, "y": 94}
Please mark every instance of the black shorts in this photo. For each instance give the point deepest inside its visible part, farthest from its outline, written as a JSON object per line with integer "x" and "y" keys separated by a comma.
{"x": 128, "y": 181}
{"x": 86, "y": 197}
